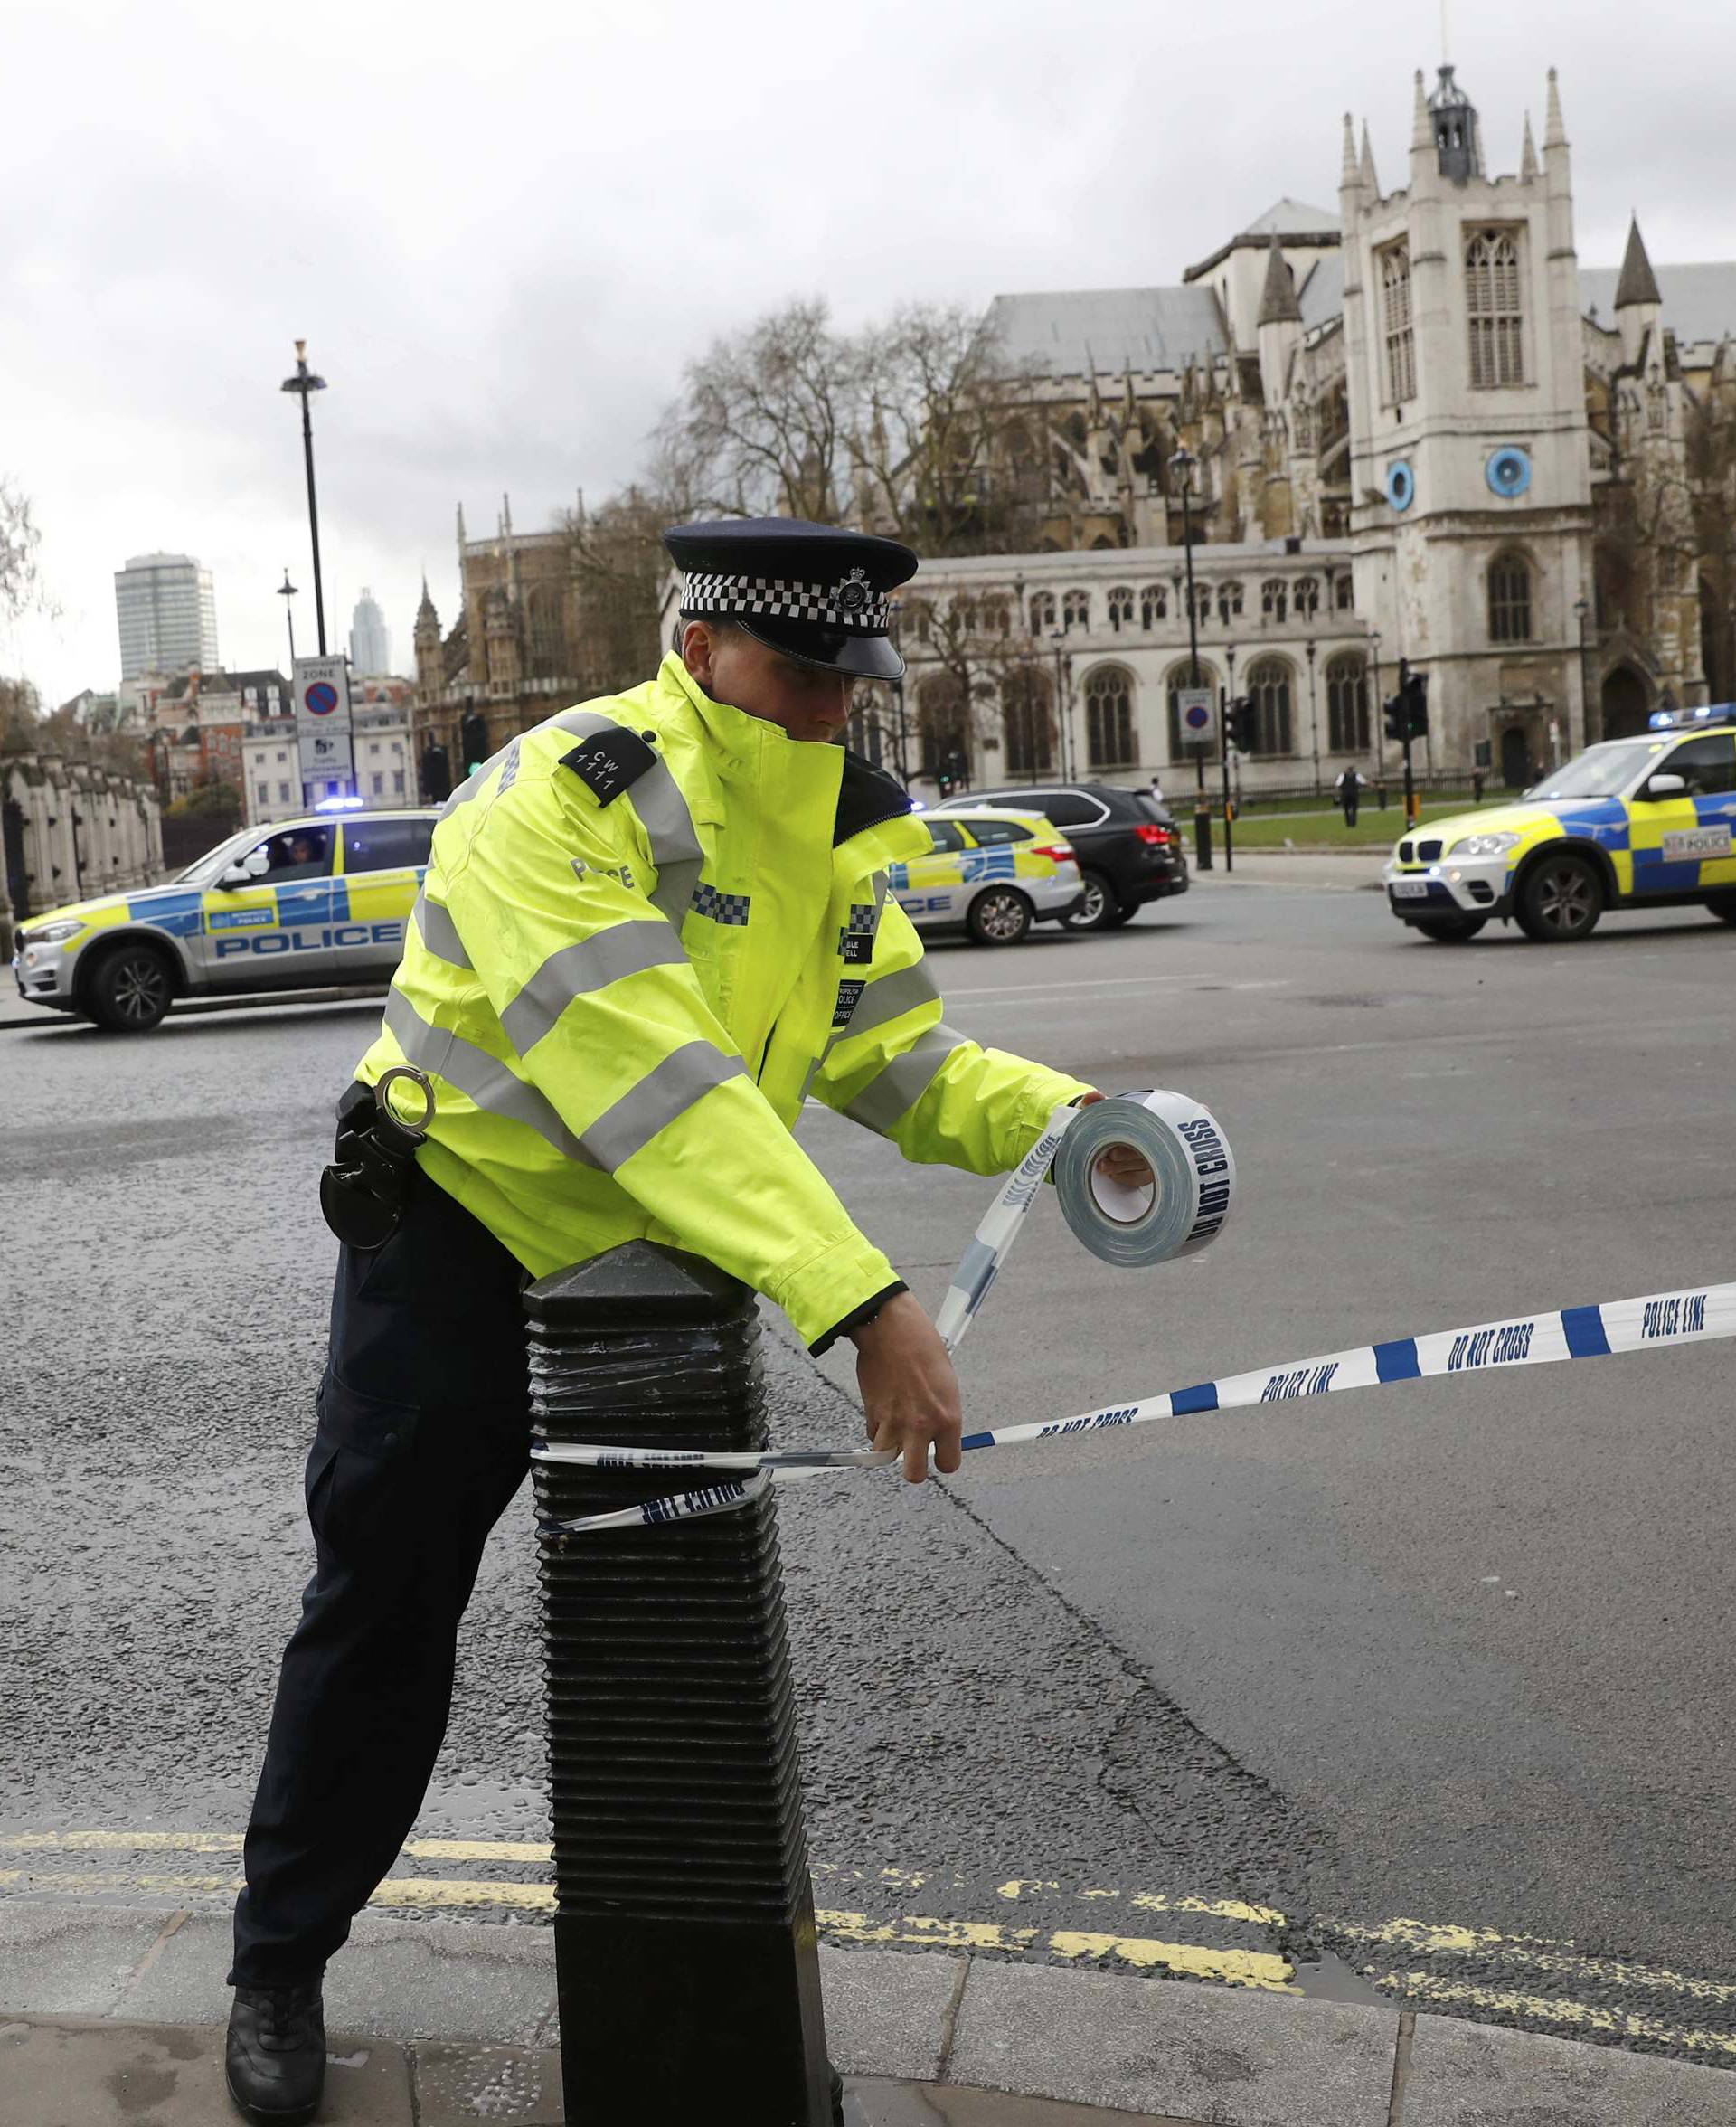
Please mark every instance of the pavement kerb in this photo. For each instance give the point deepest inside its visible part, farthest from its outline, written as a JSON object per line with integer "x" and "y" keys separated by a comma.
{"x": 130, "y": 1999}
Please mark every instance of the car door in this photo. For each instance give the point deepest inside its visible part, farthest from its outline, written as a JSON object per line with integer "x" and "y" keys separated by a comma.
{"x": 275, "y": 932}
{"x": 1680, "y": 843}
{"x": 383, "y": 859}
{"x": 929, "y": 889}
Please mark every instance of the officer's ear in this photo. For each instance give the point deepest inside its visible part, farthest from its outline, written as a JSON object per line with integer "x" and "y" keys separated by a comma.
{"x": 698, "y": 642}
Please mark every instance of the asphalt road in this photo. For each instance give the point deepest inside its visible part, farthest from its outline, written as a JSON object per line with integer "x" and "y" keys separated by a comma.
{"x": 1458, "y": 1654}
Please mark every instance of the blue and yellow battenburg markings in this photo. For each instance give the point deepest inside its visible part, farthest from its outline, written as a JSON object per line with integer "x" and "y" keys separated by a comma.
{"x": 307, "y": 915}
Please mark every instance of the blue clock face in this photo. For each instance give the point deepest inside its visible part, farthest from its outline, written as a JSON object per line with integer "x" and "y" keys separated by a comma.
{"x": 1509, "y": 472}
{"x": 1401, "y": 484}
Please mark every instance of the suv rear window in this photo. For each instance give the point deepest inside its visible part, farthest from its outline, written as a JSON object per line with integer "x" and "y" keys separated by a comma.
{"x": 386, "y": 844}
{"x": 988, "y": 831}
{"x": 1069, "y": 808}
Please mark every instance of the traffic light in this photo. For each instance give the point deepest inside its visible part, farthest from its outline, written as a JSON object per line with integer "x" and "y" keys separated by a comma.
{"x": 473, "y": 741}
{"x": 1406, "y": 713}
{"x": 437, "y": 775}
{"x": 1241, "y": 719}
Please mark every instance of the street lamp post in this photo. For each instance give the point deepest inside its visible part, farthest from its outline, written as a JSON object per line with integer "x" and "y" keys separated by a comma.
{"x": 1314, "y": 717}
{"x": 287, "y": 592}
{"x": 304, "y": 383}
{"x": 1581, "y": 609}
{"x": 1182, "y": 465}
{"x": 1377, "y": 712}
{"x": 1063, "y": 700}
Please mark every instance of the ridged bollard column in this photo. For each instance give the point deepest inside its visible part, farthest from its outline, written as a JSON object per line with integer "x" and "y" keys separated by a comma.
{"x": 686, "y": 1960}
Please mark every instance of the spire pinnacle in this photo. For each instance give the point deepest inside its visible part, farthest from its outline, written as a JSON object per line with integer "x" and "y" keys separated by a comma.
{"x": 1278, "y": 303}
{"x": 1422, "y": 131}
{"x": 1370, "y": 180}
{"x": 1528, "y": 154}
{"x": 1348, "y": 172}
{"x": 1554, "y": 131}
{"x": 1637, "y": 282}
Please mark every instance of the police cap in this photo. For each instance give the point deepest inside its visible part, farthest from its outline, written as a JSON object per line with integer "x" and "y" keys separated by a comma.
{"x": 810, "y": 592}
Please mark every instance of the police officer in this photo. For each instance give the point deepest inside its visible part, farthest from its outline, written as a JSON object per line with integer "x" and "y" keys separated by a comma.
{"x": 650, "y": 929}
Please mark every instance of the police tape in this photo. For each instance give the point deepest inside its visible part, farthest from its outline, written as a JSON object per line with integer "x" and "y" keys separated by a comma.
{"x": 1195, "y": 1170}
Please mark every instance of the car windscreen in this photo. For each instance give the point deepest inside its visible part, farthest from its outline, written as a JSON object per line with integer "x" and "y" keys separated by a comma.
{"x": 1602, "y": 770}
{"x": 204, "y": 869}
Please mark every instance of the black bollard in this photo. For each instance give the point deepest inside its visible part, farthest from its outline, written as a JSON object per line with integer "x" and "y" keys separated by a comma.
{"x": 686, "y": 1963}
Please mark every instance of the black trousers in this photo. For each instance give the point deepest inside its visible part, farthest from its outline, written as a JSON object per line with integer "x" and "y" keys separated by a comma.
{"x": 1351, "y": 805}
{"x": 423, "y": 1437}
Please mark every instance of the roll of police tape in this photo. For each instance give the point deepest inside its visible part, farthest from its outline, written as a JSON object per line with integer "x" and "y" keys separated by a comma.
{"x": 1654, "y": 1322}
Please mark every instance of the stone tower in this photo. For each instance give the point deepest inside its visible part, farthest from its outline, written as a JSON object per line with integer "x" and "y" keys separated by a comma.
{"x": 1470, "y": 460}
{"x": 430, "y": 678}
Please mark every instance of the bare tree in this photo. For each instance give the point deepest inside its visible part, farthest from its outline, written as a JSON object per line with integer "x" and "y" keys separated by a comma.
{"x": 20, "y": 543}
{"x": 619, "y": 565}
{"x": 973, "y": 665}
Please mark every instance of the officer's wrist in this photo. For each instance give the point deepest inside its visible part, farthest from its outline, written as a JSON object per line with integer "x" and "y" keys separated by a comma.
{"x": 858, "y": 1317}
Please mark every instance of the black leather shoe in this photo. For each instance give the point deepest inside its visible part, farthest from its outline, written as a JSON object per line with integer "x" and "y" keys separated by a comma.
{"x": 275, "y": 2058}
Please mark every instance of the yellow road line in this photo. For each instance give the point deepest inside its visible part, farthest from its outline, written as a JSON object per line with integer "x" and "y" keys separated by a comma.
{"x": 1582, "y": 2016}
{"x": 230, "y": 1842}
{"x": 1537, "y": 1955}
{"x": 1234, "y": 1968}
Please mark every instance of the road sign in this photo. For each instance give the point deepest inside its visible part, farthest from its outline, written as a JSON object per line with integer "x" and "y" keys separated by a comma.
{"x": 324, "y": 730}
{"x": 1196, "y": 712}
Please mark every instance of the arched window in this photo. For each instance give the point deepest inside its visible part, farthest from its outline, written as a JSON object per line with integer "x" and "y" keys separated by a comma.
{"x": 546, "y": 639}
{"x": 1344, "y": 593}
{"x": 1202, "y": 604}
{"x": 995, "y": 613}
{"x": 1229, "y": 602}
{"x": 1109, "y": 718}
{"x": 1509, "y": 599}
{"x": 1176, "y": 681}
{"x": 1154, "y": 605}
{"x": 1029, "y": 732}
{"x": 1493, "y": 309}
{"x": 1269, "y": 689}
{"x": 942, "y": 723}
{"x": 1305, "y": 597}
{"x": 1043, "y": 610}
{"x": 868, "y": 724}
{"x": 1274, "y": 598}
{"x": 1120, "y": 604}
{"x": 920, "y": 617}
{"x": 1076, "y": 610}
{"x": 1348, "y": 704}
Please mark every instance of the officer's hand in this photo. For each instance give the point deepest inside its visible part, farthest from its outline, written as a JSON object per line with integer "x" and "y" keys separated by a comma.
{"x": 1121, "y": 1163}
{"x": 909, "y": 1393}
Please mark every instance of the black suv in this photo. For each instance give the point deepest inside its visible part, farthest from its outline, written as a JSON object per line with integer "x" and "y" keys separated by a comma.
{"x": 1129, "y": 848}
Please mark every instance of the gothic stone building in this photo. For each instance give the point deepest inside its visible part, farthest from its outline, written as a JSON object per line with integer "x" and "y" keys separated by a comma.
{"x": 1417, "y": 427}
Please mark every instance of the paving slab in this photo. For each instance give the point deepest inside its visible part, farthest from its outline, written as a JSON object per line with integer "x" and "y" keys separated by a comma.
{"x": 1234, "y": 2057}
{"x": 74, "y": 1960}
{"x": 72, "y": 2073}
{"x": 403, "y": 1979}
{"x": 1463, "y": 2075}
{"x": 887, "y": 2011}
{"x": 458, "y": 2084}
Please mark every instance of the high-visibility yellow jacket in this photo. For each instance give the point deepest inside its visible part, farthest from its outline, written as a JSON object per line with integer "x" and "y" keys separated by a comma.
{"x": 649, "y": 929}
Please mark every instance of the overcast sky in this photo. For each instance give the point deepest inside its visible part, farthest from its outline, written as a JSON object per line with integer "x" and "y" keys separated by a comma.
{"x": 503, "y": 229}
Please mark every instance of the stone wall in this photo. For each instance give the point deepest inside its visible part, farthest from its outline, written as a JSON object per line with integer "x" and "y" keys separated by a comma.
{"x": 70, "y": 831}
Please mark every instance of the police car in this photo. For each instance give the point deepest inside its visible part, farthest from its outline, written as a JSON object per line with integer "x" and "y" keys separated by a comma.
{"x": 994, "y": 872}
{"x": 1633, "y": 823}
{"x": 300, "y": 905}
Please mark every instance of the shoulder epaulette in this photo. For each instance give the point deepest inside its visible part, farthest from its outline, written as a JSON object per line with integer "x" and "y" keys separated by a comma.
{"x": 610, "y": 761}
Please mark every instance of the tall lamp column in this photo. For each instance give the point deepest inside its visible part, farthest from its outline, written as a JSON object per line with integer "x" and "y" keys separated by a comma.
{"x": 304, "y": 383}
{"x": 287, "y": 592}
{"x": 1182, "y": 465}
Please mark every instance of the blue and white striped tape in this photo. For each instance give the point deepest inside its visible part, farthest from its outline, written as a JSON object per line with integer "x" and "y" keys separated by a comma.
{"x": 1654, "y": 1321}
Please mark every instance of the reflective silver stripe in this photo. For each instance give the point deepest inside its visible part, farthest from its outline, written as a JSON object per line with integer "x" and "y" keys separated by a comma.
{"x": 580, "y": 722}
{"x": 888, "y": 997}
{"x": 895, "y": 1091}
{"x": 490, "y": 1083}
{"x": 439, "y": 932}
{"x": 590, "y": 963}
{"x": 583, "y": 723}
{"x": 684, "y": 1076}
{"x": 674, "y": 845}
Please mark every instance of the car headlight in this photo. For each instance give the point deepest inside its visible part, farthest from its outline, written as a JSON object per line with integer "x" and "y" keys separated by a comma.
{"x": 1493, "y": 845}
{"x": 53, "y": 933}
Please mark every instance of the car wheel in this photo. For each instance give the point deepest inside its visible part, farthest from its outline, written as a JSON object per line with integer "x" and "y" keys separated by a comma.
{"x": 131, "y": 989}
{"x": 1722, "y": 904}
{"x": 1125, "y": 912}
{"x": 1002, "y": 916}
{"x": 1559, "y": 899}
{"x": 1450, "y": 930}
{"x": 1098, "y": 910}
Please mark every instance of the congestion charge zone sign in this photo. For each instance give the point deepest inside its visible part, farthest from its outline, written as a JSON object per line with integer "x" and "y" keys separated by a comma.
{"x": 323, "y": 724}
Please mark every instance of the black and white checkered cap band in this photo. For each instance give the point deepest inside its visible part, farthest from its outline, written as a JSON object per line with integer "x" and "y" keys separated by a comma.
{"x": 777, "y": 597}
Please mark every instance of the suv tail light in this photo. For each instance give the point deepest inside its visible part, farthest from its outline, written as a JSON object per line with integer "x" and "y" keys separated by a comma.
{"x": 1148, "y": 833}
{"x": 1058, "y": 852}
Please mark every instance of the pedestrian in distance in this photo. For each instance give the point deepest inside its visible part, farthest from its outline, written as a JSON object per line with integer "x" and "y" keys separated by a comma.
{"x": 1157, "y": 791}
{"x": 1349, "y": 791}
{"x": 651, "y": 928}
